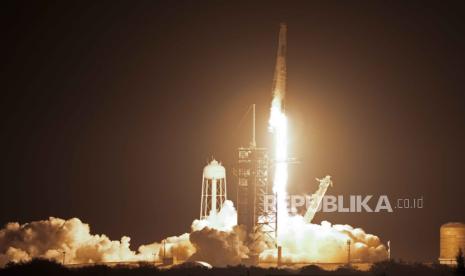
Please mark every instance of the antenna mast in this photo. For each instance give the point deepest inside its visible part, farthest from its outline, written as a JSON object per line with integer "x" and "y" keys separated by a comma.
{"x": 253, "y": 143}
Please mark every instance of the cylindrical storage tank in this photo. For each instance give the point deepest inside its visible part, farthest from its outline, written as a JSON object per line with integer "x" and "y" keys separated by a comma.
{"x": 452, "y": 237}
{"x": 213, "y": 189}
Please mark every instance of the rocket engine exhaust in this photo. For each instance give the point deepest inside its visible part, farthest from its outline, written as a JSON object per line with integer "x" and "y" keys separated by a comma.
{"x": 278, "y": 126}
{"x": 215, "y": 238}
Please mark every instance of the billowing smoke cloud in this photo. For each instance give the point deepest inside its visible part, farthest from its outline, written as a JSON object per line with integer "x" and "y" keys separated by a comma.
{"x": 57, "y": 239}
{"x": 219, "y": 248}
{"x": 224, "y": 220}
{"x": 308, "y": 242}
{"x": 216, "y": 240}
{"x": 178, "y": 247}
{"x": 71, "y": 240}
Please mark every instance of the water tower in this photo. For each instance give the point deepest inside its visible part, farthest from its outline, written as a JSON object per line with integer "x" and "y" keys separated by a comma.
{"x": 451, "y": 238}
{"x": 213, "y": 189}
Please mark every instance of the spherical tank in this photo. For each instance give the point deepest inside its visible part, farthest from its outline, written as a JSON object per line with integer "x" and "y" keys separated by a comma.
{"x": 214, "y": 170}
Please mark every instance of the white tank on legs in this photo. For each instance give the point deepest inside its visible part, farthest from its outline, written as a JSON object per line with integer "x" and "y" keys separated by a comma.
{"x": 213, "y": 189}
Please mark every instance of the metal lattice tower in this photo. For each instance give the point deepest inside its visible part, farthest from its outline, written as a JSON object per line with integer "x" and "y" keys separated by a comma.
{"x": 213, "y": 189}
{"x": 253, "y": 189}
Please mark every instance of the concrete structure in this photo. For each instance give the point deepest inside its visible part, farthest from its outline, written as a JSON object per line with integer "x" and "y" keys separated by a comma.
{"x": 213, "y": 189}
{"x": 452, "y": 237}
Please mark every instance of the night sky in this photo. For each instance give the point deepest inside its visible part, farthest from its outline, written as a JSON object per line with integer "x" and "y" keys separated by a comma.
{"x": 110, "y": 109}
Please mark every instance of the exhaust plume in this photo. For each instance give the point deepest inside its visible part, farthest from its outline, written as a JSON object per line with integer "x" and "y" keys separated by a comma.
{"x": 71, "y": 240}
{"x": 219, "y": 248}
{"x": 60, "y": 239}
{"x": 216, "y": 240}
{"x": 325, "y": 243}
{"x": 302, "y": 241}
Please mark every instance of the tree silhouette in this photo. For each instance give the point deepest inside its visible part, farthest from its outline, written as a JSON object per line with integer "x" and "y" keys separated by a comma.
{"x": 460, "y": 263}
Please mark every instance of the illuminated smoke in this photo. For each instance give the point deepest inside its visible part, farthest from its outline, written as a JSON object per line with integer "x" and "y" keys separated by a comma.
{"x": 71, "y": 239}
{"x": 219, "y": 248}
{"x": 57, "y": 238}
{"x": 300, "y": 240}
{"x": 224, "y": 220}
{"x": 325, "y": 243}
{"x": 216, "y": 240}
{"x": 216, "y": 226}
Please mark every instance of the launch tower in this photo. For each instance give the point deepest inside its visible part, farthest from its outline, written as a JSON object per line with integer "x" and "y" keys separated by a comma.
{"x": 253, "y": 189}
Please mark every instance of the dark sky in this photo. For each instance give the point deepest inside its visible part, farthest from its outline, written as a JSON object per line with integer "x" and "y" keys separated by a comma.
{"x": 110, "y": 109}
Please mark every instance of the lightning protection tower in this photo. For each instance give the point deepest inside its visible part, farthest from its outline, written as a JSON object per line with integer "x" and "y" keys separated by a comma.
{"x": 213, "y": 189}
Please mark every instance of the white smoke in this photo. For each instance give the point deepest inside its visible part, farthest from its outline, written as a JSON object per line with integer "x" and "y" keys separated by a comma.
{"x": 224, "y": 220}
{"x": 325, "y": 243}
{"x": 219, "y": 248}
{"x": 72, "y": 240}
{"x": 217, "y": 240}
{"x": 56, "y": 239}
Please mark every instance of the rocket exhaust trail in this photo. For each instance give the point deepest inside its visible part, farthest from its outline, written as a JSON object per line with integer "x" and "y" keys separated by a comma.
{"x": 278, "y": 126}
